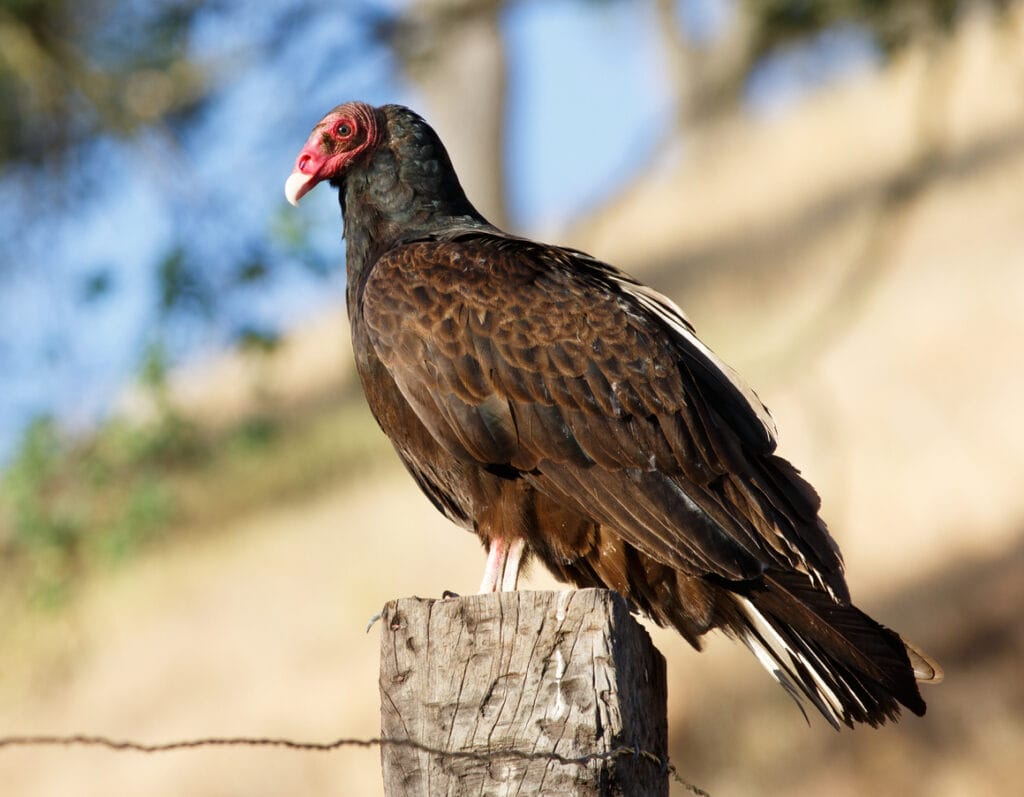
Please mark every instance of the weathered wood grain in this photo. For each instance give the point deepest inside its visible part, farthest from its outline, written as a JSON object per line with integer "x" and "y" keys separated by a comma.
{"x": 505, "y": 675}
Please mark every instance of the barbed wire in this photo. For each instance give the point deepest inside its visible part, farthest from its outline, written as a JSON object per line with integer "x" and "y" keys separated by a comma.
{"x": 120, "y": 745}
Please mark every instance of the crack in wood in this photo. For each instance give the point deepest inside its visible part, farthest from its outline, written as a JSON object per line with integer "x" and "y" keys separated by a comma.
{"x": 522, "y": 694}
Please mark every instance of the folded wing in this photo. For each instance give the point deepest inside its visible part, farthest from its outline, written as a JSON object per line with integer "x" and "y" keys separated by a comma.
{"x": 541, "y": 363}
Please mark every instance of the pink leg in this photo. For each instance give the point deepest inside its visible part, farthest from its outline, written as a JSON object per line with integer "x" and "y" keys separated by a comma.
{"x": 496, "y": 554}
{"x": 510, "y": 572}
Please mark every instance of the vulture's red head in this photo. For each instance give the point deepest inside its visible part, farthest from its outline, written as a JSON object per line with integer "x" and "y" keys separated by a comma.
{"x": 337, "y": 140}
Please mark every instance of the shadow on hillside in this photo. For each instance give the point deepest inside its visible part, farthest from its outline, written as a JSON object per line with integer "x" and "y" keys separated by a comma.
{"x": 969, "y": 617}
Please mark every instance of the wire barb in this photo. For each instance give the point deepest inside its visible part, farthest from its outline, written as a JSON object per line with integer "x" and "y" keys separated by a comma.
{"x": 124, "y": 745}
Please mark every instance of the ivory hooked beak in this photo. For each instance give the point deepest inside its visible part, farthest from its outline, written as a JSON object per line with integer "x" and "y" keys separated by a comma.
{"x": 296, "y": 186}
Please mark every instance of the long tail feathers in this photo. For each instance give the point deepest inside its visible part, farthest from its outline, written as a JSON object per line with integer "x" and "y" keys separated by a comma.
{"x": 849, "y": 667}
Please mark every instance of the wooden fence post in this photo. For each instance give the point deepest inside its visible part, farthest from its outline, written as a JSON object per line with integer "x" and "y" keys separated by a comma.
{"x": 501, "y": 679}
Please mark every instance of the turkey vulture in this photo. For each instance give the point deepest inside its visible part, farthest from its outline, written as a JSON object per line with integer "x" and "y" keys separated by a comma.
{"x": 561, "y": 409}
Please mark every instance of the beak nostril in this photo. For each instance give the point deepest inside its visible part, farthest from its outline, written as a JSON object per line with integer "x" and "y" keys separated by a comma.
{"x": 303, "y": 163}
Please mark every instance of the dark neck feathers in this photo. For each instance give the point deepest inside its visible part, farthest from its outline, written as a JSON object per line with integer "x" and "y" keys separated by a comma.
{"x": 403, "y": 190}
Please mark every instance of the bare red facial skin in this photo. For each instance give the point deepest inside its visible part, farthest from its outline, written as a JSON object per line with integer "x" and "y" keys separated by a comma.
{"x": 335, "y": 142}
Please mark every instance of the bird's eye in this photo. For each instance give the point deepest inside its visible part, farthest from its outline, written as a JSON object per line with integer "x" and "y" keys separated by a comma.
{"x": 343, "y": 130}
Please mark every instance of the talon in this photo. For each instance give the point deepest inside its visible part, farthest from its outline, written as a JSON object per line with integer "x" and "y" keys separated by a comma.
{"x": 373, "y": 621}
{"x": 447, "y": 594}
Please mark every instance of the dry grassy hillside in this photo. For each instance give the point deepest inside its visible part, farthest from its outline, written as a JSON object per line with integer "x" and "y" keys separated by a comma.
{"x": 882, "y": 322}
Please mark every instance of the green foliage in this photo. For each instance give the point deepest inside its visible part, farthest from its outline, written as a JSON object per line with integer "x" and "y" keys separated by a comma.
{"x": 147, "y": 509}
{"x": 893, "y": 25}
{"x": 69, "y": 509}
{"x": 255, "y": 269}
{"x": 257, "y": 340}
{"x": 254, "y": 434}
{"x": 70, "y": 505}
{"x": 45, "y": 531}
{"x": 96, "y": 286}
{"x": 180, "y": 283}
{"x": 73, "y": 71}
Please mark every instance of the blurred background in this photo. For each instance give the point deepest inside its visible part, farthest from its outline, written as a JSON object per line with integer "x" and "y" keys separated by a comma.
{"x": 197, "y": 513}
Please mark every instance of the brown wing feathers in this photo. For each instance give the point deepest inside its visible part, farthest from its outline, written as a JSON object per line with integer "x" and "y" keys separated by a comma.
{"x": 605, "y": 415}
{"x": 605, "y": 393}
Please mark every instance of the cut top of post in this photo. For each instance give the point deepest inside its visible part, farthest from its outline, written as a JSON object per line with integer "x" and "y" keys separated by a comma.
{"x": 521, "y": 693}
